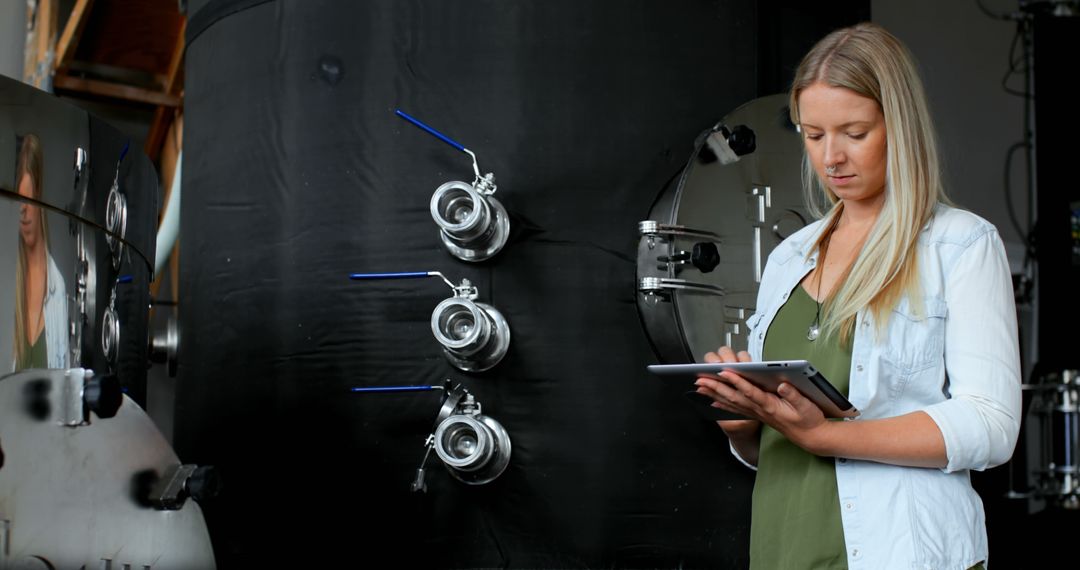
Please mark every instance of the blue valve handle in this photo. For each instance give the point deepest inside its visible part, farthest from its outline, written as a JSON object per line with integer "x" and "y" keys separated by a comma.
{"x": 401, "y": 275}
{"x": 430, "y": 130}
{"x": 371, "y": 389}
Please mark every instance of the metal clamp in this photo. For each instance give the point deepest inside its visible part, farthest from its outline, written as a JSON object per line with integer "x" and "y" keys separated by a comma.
{"x": 656, "y": 285}
{"x": 652, "y": 229}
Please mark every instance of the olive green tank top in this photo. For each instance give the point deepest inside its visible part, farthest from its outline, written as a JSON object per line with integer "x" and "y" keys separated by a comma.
{"x": 37, "y": 354}
{"x": 795, "y": 520}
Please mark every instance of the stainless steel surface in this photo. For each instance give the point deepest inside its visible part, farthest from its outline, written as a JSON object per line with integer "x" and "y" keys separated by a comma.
{"x": 66, "y": 131}
{"x": 97, "y": 199}
{"x": 473, "y": 225}
{"x": 69, "y": 387}
{"x": 474, "y": 336}
{"x": 473, "y": 447}
{"x": 79, "y": 457}
{"x": 164, "y": 345}
{"x": 745, "y": 197}
{"x": 76, "y": 497}
{"x": 463, "y": 443}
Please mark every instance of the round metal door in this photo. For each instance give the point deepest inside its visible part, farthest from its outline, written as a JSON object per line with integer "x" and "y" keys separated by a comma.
{"x": 704, "y": 246}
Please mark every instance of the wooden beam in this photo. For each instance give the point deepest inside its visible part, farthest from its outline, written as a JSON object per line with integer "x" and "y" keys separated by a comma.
{"x": 46, "y": 33}
{"x": 115, "y": 91}
{"x": 37, "y": 62}
{"x": 176, "y": 62}
{"x": 156, "y": 136}
{"x": 65, "y": 48}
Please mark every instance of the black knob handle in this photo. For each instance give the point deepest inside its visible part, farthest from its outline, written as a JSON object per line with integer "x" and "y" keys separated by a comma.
{"x": 705, "y": 256}
{"x": 103, "y": 395}
{"x": 742, "y": 140}
{"x": 204, "y": 483}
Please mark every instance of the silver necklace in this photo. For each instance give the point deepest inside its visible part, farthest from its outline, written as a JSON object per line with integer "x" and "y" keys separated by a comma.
{"x": 815, "y": 326}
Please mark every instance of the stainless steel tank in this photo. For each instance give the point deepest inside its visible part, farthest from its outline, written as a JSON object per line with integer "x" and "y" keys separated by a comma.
{"x": 86, "y": 479}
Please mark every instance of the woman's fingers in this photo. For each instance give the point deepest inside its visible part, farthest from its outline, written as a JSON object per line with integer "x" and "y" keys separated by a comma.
{"x": 788, "y": 411}
{"x": 727, "y": 396}
{"x": 793, "y": 396}
{"x": 727, "y": 354}
{"x": 752, "y": 393}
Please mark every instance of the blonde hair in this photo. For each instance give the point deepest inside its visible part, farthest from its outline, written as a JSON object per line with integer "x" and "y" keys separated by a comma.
{"x": 871, "y": 62}
{"x": 29, "y": 163}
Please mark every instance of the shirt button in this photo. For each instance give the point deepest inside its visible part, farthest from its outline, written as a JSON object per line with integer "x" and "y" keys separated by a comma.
{"x": 784, "y": 296}
{"x": 865, "y": 324}
{"x": 858, "y": 367}
{"x": 848, "y": 506}
{"x": 842, "y": 460}
{"x": 854, "y": 552}
{"x": 761, "y": 335}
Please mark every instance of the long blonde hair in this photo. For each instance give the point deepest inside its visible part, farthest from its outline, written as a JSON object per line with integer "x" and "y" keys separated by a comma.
{"x": 29, "y": 163}
{"x": 870, "y": 61}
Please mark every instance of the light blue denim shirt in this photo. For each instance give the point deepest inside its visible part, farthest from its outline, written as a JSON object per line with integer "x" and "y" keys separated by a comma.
{"x": 56, "y": 317}
{"x": 958, "y": 361}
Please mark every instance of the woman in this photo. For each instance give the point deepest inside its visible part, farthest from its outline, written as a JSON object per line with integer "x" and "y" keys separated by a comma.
{"x": 906, "y": 305}
{"x": 41, "y": 338}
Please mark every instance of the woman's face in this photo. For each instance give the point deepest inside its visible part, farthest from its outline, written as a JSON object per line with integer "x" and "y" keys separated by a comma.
{"x": 845, "y": 130}
{"x": 29, "y": 214}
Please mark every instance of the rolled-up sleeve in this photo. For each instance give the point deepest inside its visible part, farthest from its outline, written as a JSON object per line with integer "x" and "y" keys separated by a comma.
{"x": 980, "y": 421}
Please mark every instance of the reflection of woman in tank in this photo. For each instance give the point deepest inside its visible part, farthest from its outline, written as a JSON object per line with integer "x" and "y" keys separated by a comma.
{"x": 41, "y": 336}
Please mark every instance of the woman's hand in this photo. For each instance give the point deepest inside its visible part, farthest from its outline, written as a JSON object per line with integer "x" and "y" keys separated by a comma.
{"x": 789, "y": 412}
{"x": 733, "y": 428}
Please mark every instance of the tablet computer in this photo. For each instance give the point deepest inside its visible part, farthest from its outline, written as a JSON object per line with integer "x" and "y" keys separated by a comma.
{"x": 768, "y": 376}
